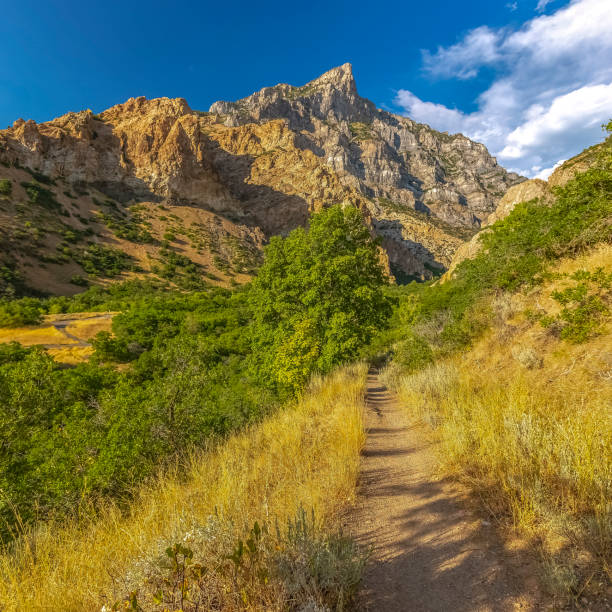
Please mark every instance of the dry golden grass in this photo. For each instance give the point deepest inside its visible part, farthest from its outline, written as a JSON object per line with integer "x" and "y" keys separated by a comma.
{"x": 63, "y": 348}
{"x": 526, "y": 420}
{"x": 31, "y": 336}
{"x": 87, "y": 328}
{"x": 306, "y": 455}
{"x": 71, "y": 355}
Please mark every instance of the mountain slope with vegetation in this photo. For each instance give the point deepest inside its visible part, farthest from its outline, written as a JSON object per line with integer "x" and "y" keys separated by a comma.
{"x": 509, "y": 363}
{"x": 179, "y": 369}
{"x": 154, "y": 189}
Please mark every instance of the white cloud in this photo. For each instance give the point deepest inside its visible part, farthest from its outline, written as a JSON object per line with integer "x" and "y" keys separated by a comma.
{"x": 552, "y": 92}
{"x": 546, "y": 172}
{"x": 565, "y": 119}
{"x": 463, "y": 60}
{"x": 542, "y": 4}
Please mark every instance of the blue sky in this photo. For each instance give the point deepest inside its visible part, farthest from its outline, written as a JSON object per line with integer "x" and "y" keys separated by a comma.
{"x": 453, "y": 65}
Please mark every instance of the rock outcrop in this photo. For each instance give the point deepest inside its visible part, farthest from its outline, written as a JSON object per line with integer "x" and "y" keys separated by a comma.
{"x": 523, "y": 192}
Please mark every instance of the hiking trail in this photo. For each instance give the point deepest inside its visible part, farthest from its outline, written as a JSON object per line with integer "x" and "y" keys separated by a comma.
{"x": 430, "y": 552}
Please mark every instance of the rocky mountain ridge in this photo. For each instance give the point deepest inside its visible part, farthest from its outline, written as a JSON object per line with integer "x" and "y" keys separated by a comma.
{"x": 173, "y": 189}
{"x": 378, "y": 153}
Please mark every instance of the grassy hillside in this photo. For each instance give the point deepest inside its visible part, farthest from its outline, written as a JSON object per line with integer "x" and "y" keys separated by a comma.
{"x": 253, "y": 524}
{"x": 509, "y": 363}
{"x": 57, "y": 238}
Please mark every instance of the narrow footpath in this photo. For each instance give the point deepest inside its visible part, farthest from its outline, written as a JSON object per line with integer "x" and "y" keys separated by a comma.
{"x": 430, "y": 552}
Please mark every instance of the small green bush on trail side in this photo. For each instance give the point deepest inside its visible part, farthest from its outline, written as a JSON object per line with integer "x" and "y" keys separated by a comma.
{"x": 585, "y": 306}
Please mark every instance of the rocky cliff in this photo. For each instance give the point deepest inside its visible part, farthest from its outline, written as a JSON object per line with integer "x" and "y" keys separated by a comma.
{"x": 175, "y": 189}
{"x": 528, "y": 190}
{"x": 378, "y": 153}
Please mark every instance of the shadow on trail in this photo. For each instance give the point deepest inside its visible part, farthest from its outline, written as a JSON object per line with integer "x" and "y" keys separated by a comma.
{"x": 429, "y": 552}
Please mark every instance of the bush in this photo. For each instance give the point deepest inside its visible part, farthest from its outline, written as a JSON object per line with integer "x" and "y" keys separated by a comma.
{"x": 584, "y": 306}
{"x": 26, "y": 311}
{"x": 413, "y": 353}
{"x": 42, "y": 196}
{"x": 79, "y": 281}
{"x": 6, "y": 187}
{"x": 99, "y": 260}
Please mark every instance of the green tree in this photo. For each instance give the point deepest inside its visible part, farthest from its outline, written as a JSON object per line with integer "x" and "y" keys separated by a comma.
{"x": 317, "y": 298}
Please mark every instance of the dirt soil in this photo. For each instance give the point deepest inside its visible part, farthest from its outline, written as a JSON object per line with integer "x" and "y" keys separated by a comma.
{"x": 430, "y": 549}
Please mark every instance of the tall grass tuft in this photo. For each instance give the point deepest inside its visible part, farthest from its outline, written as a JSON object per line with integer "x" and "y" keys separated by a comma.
{"x": 254, "y": 525}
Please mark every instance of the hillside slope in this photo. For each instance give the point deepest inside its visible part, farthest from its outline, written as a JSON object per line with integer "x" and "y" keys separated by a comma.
{"x": 532, "y": 189}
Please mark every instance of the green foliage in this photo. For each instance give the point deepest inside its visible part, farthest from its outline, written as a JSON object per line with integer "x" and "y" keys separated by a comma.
{"x": 12, "y": 284}
{"x": 584, "y": 306}
{"x": 181, "y": 270}
{"x": 70, "y": 435}
{"x": 413, "y": 353}
{"x": 13, "y": 352}
{"x": 6, "y": 187}
{"x": 40, "y": 177}
{"x": 15, "y": 313}
{"x": 79, "y": 281}
{"x": 317, "y": 298}
{"x": 100, "y": 260}
{"x": 132, "y": 228}
{"x": 38, "y": 194}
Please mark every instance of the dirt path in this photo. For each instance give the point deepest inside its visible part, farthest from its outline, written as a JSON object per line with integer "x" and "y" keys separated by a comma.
{"x": 62, "y": 324}
{"x": 429, "y": 551}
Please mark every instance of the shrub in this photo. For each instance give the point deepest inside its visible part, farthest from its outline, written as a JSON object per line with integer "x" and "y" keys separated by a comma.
{"x": 6, "y": 187}
{"x": 99, "y": 260}
{"x": 40, "y": 177}
{"x": 584, "y": 306}
{"x": 299, "y": 562}
{"x": 413, "y": 353}
{"x": 79, "y": 280}
{"x": 42, "y": 196}
{"x": 26, "y": 311}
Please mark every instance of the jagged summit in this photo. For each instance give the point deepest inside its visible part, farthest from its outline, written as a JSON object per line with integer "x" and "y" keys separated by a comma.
{"x": 381, "y": 154}
{"x": 330, "y": 97}
{"x": 340, "y": 77}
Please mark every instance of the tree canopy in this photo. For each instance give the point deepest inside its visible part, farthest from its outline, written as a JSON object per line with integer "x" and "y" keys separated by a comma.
{"x": 318, "y": 298}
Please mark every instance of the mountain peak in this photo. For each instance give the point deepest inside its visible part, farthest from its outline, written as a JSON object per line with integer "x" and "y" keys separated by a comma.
{"x": 340, "y": 77}
{"x": 331, "y": 96}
